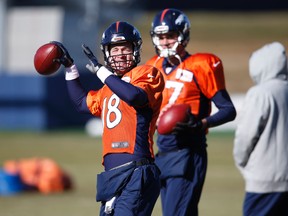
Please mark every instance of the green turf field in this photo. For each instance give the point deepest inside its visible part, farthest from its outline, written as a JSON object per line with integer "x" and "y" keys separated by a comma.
{"x": 80, "y": 156}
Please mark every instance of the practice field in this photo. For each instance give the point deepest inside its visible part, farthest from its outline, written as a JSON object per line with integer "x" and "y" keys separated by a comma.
{"x": 231, "y": 36}
{"x": 80, "y": 156}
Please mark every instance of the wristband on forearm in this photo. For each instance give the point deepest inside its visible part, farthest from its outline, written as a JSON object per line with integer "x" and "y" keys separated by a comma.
{"x": 71, "y": 73}
{"x": 103, "y": 73}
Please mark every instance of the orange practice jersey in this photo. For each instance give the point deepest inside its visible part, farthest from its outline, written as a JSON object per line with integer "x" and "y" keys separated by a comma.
{"x": 195, "y": 81}
{"x": 121, "y": 121}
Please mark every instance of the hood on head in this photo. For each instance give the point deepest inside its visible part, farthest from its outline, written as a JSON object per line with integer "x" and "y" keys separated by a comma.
{"x": 268, "y": 62}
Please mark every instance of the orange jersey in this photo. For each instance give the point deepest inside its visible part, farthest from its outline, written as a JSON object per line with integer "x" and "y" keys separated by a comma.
{"x": 124, "y": 126}
{"x": 195, "y": 81}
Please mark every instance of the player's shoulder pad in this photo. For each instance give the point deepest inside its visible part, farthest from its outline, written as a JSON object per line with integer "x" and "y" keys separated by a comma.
{"x": 206, "y": 58}
{"x": 147, "y": 74}
{"x": 152, "y": 60}
{"x": 147, "y": 69}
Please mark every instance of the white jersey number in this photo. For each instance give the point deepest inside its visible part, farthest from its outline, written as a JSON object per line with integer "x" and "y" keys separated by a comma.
{"x": 112, "y": 109}
{"x": 177, "y": 90}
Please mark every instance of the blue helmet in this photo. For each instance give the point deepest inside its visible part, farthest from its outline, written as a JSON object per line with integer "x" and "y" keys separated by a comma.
{"x": 170, "y": 20}
{"x": 120, "y": 32}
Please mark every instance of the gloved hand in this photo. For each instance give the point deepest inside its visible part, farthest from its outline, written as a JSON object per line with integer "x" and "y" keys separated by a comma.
{"x": 65, "y": 59}
{"x": 95, "y": 65}
{"x": 192, "y": 125}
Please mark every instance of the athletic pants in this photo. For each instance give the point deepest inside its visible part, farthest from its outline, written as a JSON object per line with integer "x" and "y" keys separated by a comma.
{"x": 139, "y": 195}
{"x": 265, "y": 204}
{"x": 180, "y": 194}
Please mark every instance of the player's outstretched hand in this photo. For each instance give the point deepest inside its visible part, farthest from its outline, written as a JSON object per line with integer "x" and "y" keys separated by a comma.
{"x": 94, "y": 65}
{"x": 65, "y": 59}
{"x": 192, "y": 125}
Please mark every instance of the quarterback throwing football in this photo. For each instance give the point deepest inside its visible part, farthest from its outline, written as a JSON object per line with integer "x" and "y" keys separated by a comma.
{"x": 128, "y": 104}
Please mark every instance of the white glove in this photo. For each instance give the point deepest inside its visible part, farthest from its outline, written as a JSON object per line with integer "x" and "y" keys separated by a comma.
{"x": 94, "y": 66}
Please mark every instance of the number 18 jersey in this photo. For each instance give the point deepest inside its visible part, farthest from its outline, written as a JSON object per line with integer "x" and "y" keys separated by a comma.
{"x": 129, "y": 129}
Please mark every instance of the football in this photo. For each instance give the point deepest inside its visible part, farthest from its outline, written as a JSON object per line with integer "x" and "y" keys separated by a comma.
{"x": 169, "y": 118}
{"x": 43, "y": 59}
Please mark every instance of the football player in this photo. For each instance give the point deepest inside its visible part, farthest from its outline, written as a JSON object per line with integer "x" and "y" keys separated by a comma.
{"x": 129, "y": 104}
{"x": 197, "y": 80}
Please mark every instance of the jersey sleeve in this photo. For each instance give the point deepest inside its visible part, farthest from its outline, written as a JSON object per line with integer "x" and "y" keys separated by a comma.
{"x": 210, "y": 74}
{"x": 150, "y": 80}
{"x": 93, "y": 101}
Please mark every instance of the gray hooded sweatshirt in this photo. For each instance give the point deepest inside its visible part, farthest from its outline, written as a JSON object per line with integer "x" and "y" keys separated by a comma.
{"x": 261, "y": 137}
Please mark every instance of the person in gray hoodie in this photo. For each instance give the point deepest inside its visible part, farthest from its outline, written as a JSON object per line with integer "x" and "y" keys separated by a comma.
{"x": 261, "y": 138}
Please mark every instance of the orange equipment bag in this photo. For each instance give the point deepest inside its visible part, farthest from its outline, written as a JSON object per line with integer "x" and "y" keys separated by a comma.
{"x": 42, "y": 174}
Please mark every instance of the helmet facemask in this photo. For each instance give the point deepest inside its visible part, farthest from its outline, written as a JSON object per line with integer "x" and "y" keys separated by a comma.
{"x": 121, "y": 34}
{"x": 122, "y": 63}
{"x": 169, "y": 50}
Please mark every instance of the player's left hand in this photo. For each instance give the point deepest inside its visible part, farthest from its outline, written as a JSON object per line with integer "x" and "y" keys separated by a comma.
{"x": 94, "y": 65}
{"x": 192, "y": 125}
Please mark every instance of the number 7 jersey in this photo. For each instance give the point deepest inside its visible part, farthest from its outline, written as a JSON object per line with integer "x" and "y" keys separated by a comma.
{"x": 195, "y": 81}
{"x": 128, "y": 129}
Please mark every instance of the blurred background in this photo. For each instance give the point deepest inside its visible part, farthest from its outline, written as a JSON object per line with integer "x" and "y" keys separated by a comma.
{"x": 37, "y": 118}
{"x": 231, "y": 30}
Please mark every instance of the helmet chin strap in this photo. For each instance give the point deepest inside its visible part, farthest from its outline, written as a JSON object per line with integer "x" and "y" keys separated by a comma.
{"x": 179, "y": 58}
{"x": 169, "y": 51}
{"x": 166, "y": 53}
